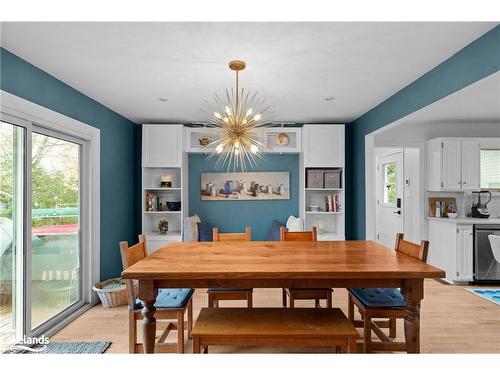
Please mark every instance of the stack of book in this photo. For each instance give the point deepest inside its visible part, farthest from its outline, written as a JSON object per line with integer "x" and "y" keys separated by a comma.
{"x": 153, "y": 202}
{"x": 332, "y": 202}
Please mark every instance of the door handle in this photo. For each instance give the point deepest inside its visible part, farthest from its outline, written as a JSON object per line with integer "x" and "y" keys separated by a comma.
{"x": 397, "y": 212}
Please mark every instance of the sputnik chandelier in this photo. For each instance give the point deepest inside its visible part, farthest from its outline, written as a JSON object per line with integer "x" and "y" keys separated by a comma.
{"x": 237, "y": 119}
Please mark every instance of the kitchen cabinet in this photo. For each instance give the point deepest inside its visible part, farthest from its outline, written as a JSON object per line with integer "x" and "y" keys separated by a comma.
{"x": 453, "y": 164}
{"x": 451, "y": 248}
{"x": 162, "y": 145}
{"x": 323, "y": 145}
{"x": 470, "y": 158}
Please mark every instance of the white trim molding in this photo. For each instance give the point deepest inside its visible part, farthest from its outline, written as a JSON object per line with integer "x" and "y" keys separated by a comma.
{"x": 37, "y": 115}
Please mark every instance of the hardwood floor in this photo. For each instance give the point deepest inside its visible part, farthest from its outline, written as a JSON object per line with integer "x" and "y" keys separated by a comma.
{"x": 452, "y": 321}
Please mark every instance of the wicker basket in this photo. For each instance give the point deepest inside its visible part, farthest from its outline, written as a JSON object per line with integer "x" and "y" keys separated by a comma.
{"x": 112, "y": 292}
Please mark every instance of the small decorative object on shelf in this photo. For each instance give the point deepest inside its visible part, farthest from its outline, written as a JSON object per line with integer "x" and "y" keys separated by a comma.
{"x": 204, "y": 141}
{"x": 166, "y": 181}
{"x": 282, "y": 139}
{"x": 163, "y": 226}
{"x": 174, "y": 206}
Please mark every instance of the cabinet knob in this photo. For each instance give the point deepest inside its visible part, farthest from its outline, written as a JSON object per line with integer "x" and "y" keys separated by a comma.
{"x": 465, "y": 182}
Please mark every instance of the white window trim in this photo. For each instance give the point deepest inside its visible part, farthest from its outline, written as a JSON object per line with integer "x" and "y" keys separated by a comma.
{"x": 24, "y": 109}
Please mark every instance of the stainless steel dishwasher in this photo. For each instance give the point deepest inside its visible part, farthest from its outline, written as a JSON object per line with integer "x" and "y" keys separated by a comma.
{"x": 486, "y": 267}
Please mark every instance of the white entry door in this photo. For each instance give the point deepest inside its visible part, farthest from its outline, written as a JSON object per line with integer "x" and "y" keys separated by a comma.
{"x": 389, "y": 198}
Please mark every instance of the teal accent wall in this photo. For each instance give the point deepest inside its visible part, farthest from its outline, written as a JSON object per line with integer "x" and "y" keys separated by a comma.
{"x": 475, "y": 61}
{"x": 234, "y": 216}
{"x": 120, "y": 199}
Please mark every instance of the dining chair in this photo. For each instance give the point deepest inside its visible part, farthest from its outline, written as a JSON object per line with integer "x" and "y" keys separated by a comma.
{"x": 495, "y": 246}
{"x": 382, "y": 303}
{"x": 230, "y": 294}
{"x": 170, "y": 304}
{"x": 294, "y": 294}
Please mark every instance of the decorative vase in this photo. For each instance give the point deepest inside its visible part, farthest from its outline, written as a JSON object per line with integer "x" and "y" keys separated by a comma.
{"x": 163, "y": 226}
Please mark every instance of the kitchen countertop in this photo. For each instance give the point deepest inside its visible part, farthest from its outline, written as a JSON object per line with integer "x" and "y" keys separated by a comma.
{"x": 467, "y": 220}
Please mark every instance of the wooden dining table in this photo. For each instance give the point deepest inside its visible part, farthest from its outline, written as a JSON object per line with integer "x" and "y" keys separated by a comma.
{"x": 259, "y": 264}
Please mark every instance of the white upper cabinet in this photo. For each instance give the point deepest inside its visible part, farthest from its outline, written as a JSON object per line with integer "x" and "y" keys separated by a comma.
{"x": 323, "y": 145}
{"x": 453, "y": 164}
{"x": 470, "y": 164}
{"x": 162, "y": 145}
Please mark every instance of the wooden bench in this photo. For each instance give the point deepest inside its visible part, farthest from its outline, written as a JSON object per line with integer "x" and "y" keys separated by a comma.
{"x": 273, "y": 327}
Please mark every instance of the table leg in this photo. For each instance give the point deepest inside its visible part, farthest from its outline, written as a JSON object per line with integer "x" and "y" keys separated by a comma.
{"x": 147, "y": 294}
{"x": 413, "y": 292}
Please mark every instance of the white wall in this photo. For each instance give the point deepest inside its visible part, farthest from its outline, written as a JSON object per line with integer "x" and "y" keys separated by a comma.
{"x": 412, "y": 215}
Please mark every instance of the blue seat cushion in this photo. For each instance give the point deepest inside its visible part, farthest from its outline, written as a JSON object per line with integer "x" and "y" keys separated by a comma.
{"x": 229, "y": 289}
{"x": 169, "y": 298}
{"x": 379, "y": 297}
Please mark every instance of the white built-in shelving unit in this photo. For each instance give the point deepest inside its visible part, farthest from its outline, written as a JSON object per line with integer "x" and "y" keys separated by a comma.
{"x": 322, "y": 149}
{"x": 165, "y": 149}
{"x": 162, "y": 154}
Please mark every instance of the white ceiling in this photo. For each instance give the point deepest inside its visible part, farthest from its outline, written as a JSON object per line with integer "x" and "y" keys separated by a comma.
{"x": 129, "y": 66}
{"x": 471, "y": 112}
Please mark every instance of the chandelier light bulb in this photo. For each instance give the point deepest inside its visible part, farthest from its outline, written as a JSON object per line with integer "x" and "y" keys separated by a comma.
{"x": 226, "y": 119}
{"x": 219, "y": 149}
{"x": 254, "y": 149}
{"x": 237, "y": 144}
{"x": 217, "y": 114}
{"x": 249, "y": 112}
{"x": 236, "y": 152}
{"x": 257, "y": 117}
{"x": 228, "y": 110}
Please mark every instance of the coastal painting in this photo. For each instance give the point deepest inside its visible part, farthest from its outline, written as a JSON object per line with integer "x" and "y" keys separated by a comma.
{"x": 245, "y": 186}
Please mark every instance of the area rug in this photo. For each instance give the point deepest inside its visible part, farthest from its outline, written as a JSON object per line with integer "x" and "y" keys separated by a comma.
{"x": 80, "y": 347}
{"x": 492, "y": 295}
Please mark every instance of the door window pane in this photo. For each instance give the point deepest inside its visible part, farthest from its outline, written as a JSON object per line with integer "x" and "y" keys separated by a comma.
{"x": 55, "y": 226}
{"x": 490, "y": 169}
{"x": 11, "y": 231}
{"x": 389, "y": 171}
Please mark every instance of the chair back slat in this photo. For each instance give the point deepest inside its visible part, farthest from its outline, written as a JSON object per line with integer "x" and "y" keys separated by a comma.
{"x": 311, "y": 235}
{"x": 130, "y": 256}
{"x": 411, "y": 249}
{"x": 245, "y": 236}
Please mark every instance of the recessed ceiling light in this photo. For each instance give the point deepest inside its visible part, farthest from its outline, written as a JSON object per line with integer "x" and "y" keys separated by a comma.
{"x": 330, "y": 98}
{"x": 163, "y": 100}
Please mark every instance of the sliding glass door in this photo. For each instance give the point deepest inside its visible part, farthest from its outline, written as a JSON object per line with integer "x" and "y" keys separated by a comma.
{"x": 55, "y": 226}
{"x": 41, "y": 263}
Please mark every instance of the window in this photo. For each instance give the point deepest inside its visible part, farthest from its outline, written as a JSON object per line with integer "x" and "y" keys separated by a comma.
{"x": 389, "y": 171}
{"x": 490, "y": 169}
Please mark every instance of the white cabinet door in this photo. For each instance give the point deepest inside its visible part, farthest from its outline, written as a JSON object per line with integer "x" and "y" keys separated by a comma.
{"x": 451, "y": 169}
{"x": 323, "y": 145}
{"x": 442, "y": 253}
{"x": 464, "y": 253}
{"x": 162, "y": 145}
{"x": 470, "y": 164}
{"x": 434, "y": 155}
